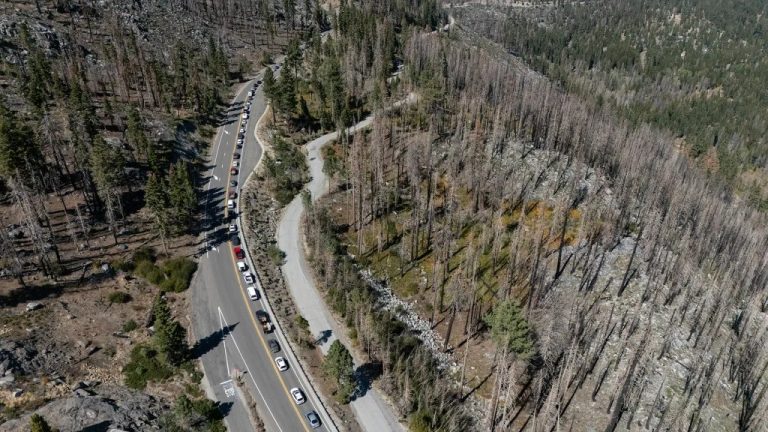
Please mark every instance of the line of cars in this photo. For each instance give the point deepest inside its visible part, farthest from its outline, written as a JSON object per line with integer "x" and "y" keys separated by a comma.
{"x": 253, "y": 294}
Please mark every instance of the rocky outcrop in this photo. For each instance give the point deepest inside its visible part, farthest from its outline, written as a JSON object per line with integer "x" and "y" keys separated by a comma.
{"x": 103, "y": 407}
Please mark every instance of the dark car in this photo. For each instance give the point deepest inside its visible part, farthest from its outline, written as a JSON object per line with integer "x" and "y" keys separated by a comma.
{"x": 313, "y": 419}
{"x": 233, "y": 183}
{"x": 274, "y": 346}
{"x": 236, "y": 155}
{"x": 235, "y": 240}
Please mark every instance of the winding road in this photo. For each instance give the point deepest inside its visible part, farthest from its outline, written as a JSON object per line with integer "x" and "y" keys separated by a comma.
{"x": 373, "y": 413}
{"x": 230, "y": 342}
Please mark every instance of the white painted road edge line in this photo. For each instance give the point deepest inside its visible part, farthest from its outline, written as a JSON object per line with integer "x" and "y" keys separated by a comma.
{"x": 250, "y": 375}
{"x": 310, "y": 389}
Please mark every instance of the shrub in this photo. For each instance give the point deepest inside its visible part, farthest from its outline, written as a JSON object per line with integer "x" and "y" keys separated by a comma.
{"x": 119, "y": 297}
{"x": 276, "y": 255}
{"x": 149, "y": 271}
{"x": 144, "y": 254}
{"x": 178, "y": 274}
{"x": 174, "y": 274}
{"x": 130, "y": 326}
{"x": 301, "y": 322}
{"x": 122, "y": 265}
{"x": 420, "y": 422}
{"x": 144, "y": 366}
{"x": 38, "y": 424}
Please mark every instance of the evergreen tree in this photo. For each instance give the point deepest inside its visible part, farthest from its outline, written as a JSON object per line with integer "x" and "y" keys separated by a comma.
{"x": 510, "y": 329}
{"x": 286, "y": 96}
{"x": 83, "y": 119}
{"x": 135, "y": 132}
{"x": 156, "y": 199}
{"x": 339, "y": 365}
{"x": 293, "y": 57}
{"x": 107, "y": 165}
{"x": 170, "y": 336}
{"x": 333, "y": 87}
{"x": 38, "y": 424}
{"x": 108, "y": 169}
{"x": 19, "y": 150}
{"x": 182, "y": 196}
{"x": 270, "y": 87}
{"x": 37, "y": 74}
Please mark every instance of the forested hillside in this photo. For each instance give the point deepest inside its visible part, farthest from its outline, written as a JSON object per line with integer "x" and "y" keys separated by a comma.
{"x": 695, "y": 68}
{"x": 107, "y": 111}
{"x": 579, "y": 267}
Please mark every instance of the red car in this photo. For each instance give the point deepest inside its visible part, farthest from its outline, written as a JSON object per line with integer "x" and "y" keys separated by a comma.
{"x": 239, "y": 252}
{"x": 233, "y": 171}
{"x": 232, "y": 194}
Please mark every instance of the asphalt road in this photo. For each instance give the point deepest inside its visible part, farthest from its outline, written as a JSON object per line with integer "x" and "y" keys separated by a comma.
{"x": 373, "y": 413}
{"x": 230, "y": 340}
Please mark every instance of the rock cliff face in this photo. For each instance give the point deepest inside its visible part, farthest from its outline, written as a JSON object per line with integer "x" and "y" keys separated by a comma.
{"x": 97, "y": 408}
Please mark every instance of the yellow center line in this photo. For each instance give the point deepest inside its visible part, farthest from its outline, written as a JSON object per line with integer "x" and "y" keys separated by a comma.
{"x": 264, "y": 344}
{"x": 248, "y": 303}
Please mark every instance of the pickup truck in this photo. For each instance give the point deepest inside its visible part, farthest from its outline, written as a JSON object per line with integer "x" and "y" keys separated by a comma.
{"x": 266, "y": 323}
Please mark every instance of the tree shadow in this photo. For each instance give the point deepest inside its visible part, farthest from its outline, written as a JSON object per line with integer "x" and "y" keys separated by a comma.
{"x": 208, "y": 343}
{"x": 480, "y": 384}
{"x": 224, "y": 408}
{"x": 324, "y": 336}
{"x": 365, "y": 375}
{"x": 30, "y": 293}
{"x": 98, "y": 427}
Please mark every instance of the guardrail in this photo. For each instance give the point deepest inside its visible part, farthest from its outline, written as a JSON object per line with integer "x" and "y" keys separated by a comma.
{"x": 329, "y": 418}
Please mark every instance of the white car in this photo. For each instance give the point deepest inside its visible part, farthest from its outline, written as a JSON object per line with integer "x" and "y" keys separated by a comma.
{"x": 245, "y": 116}
{"x": 253, "y": 294}
{"x": 250, "y": 93}
{"x": 242, "y": 266}
{"x": 233, "y": 228}
{"x": 248, "y": 276}
{"x": 242, "y": 130}
{"x": 240, "y": 142}
{"x": 235, "y": 164}
{"x": 281, "y": 364}
{"x": 231, "y": 204}
{"x": 298, "y": 396}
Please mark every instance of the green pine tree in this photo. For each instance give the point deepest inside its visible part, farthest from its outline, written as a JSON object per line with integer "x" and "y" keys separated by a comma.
{"x": 170, "y": 336}
{"x": 19, "y": 151}
{"x": 156, "y": 200}
{"x": 107, "y": 165}
{"x": 286, "y": 96}
{"x": 339, "y": 365}
{"x": 37, "y": 74}
{"x": 38, "y": 424}
{"x": 135, "y": 133}
{"x": 510, "y": 329}
{"x": 182, "y": 196}
{"x": 270, "y": 86}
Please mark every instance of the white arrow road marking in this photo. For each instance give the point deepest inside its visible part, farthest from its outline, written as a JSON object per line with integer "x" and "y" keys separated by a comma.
{"x": 215, "y": 178}
{"x": 224, "y": 340}
{"x": 250, "y": 375}
{"x": 225, "y": 131}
